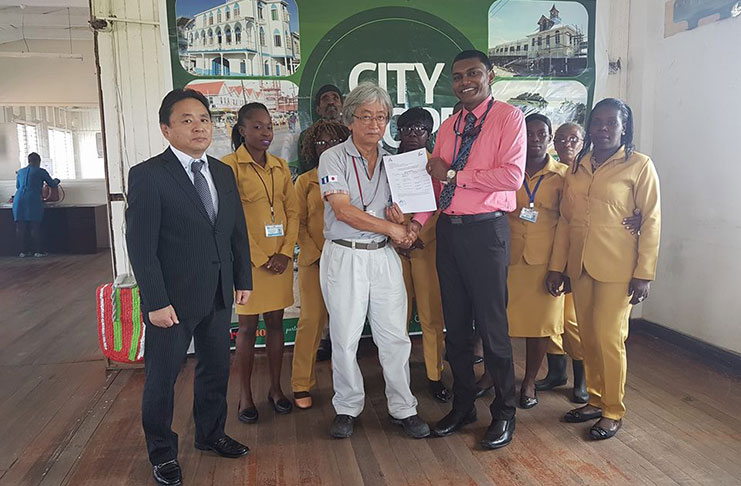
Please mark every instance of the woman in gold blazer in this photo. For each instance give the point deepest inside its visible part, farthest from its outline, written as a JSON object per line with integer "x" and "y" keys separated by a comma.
{"x": 532, "y": 312}
{"x": 312, "y": 319}
{"x": 609, "y": 269}
{"x": 271, "y": 213}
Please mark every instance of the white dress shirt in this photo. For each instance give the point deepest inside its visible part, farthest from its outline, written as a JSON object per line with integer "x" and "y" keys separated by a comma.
{"x": 185, "y": 160}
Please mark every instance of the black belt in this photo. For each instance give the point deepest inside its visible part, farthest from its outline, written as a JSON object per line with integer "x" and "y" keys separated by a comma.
{"x": 373, "y": 245}
{"x": 471, "y": 218}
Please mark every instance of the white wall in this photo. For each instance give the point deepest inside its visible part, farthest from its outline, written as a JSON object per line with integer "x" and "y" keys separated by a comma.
{"x": 686, "y": 92}
{"x": 40, "y": 81}
{"x": 135, "y": 75}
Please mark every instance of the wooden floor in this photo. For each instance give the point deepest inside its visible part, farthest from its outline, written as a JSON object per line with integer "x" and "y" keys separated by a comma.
{"x": 65, "y": 420}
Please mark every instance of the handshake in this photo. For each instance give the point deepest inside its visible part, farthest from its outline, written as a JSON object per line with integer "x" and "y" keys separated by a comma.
{"x": 404, "y": 234}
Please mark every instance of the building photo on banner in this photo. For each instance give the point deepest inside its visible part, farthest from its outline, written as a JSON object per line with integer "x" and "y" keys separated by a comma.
{"x": 541, "y": 55}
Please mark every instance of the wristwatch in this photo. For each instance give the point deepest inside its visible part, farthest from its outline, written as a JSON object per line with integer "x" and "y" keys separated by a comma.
{"x": 451, "y": 175}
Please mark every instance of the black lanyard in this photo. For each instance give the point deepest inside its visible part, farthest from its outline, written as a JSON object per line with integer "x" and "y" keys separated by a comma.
{"x": 474, "y": 130}
{"x": 360, "y": 189}
{"x": 531, "y": 195}
{"x": 271, "y": 200}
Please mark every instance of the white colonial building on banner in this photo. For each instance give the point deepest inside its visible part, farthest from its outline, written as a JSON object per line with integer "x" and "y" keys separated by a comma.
{"x": 554, "y": 49}
{"x": 244, "y": 37}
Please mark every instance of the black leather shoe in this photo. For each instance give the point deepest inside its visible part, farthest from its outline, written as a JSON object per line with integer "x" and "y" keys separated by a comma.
{"x": 601, "y": 433}
{"x": 528, "y": 402}
{"x": 439, "y": 392}
{"x": 249, "y": 415}
{"x": 499, "y": 434}
{"x": 282, "y": 406}
{"x": 342, "y": 426}
{"x": 414, "y": 426}
{"x": 579, "y": 415}
{"x": 324, "y": 351}
{"x": 168, "y": 473}
{"x": 452, "y": 422}
{"x": 556, "y": 373}
{"x": 225, "y": 447}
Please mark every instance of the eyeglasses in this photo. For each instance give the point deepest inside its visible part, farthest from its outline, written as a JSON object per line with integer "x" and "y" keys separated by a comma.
{"x": 416, "y": 129}
{"x": 573, "y": 140}
{"x": 367, "y": 119}
{"x": 328, "y": 143}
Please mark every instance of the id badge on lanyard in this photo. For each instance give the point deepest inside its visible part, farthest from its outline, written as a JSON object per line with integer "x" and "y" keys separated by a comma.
{"x": 530, "y": 214}
{"x": 274, "y": 230}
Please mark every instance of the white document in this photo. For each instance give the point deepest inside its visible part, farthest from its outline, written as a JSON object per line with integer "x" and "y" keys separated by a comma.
{"x": 411, "y": 185}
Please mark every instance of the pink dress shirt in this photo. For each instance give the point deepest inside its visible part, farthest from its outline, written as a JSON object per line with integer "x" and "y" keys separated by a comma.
{"x": 496, "y": 164}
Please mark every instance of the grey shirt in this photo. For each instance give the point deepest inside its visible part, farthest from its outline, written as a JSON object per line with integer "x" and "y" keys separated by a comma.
{"x": 337, "y": 175}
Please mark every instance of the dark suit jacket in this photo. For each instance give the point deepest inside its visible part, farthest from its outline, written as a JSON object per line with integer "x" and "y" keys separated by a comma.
{"x": 179, "y": 257}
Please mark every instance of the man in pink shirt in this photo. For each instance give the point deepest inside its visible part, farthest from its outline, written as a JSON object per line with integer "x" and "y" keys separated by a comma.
{"x": 479, "y": 162}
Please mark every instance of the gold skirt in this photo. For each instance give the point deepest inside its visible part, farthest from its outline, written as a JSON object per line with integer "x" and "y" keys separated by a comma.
{"x": 532, "y": 311}
{"x": 270, "y": 291}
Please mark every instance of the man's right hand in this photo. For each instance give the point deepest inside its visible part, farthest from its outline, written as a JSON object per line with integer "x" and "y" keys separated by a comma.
{"x": 400, "y": 235}
{"x": 164, "y": 317}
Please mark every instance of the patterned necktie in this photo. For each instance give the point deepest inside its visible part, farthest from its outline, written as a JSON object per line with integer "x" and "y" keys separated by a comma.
{"x": 468, "y": 137}
{"x": 199, "y": 181}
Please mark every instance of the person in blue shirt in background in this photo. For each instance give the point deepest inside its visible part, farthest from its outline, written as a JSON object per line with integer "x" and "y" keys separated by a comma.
{"x": 28, "y": 205}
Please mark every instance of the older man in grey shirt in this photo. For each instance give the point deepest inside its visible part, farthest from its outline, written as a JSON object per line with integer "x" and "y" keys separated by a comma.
{"x": 360, "y": 273}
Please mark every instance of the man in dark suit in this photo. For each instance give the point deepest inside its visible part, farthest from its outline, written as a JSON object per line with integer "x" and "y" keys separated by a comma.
{"x": 187, "y": 241}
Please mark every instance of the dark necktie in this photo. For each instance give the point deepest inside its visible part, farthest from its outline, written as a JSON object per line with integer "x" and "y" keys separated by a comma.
{"x": 446, "y": 196}
{"x": 199, "y": 181}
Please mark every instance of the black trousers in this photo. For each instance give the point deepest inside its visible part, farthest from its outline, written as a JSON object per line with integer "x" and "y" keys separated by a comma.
{"x": 164, "y": 353}
{"x": 472, "y": 261}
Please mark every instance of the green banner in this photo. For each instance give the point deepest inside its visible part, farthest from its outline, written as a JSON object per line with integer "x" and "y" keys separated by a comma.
{"x": 279, "y": 52}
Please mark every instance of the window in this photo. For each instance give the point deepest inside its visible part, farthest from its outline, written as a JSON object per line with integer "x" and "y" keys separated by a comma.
{"x": 91, "y": 156}
{"x": 276, "y": 38}
{"x": 210, "y": 36}
{"x": 243, "y": 67}
{"x": 218, "y": 36}
{"x": 548, "y": 40}
{"x": 525, "y": 47}
{"x": 218, "y": 17}
{"x": 533, "y": 41}
{"x": 540, "y": 41}
{"x": 228, "y": 34}
{"x": 228, "y": 12}
{"x": 28, "y": 141}
{"x": 211, "y": 18}
{"x": 558, "y": 37}
{"x": 236, "y": 10}
{"x": 267, "y": 68}
{"x": 238, "y": 34}
{"x": 61, "y": 154}
{"x": 274, "y": 12}
{"x": 262, "y": 37}
{"x": 259, "y": 11}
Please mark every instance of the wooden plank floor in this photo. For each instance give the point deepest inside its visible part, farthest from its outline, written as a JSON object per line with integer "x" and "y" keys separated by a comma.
{"x": 68, "y": 421}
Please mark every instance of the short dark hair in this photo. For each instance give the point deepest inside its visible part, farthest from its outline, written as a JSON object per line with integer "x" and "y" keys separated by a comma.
{"x": 327, "y": 88}
{"x": 415, "y": 115}
{"x": 473, "y": 54}
{"x": 176, "y": 95}
{"x": 34, "y": 158}
{"x": 541, "y": 118}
